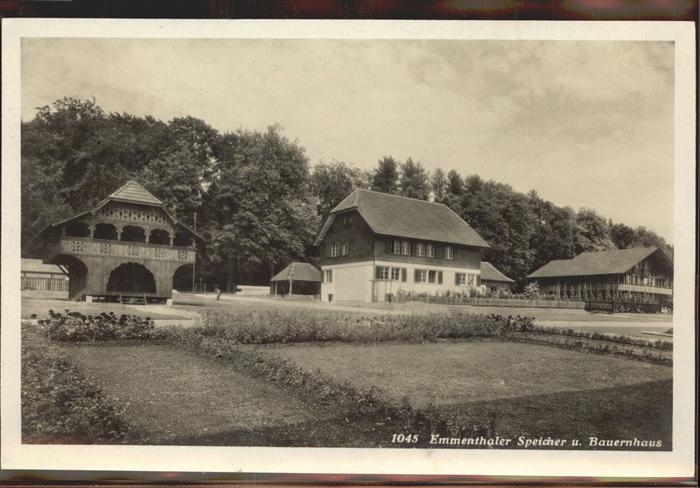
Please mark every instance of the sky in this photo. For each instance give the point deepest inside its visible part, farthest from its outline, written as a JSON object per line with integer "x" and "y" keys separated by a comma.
{"x": 584, "y": 123}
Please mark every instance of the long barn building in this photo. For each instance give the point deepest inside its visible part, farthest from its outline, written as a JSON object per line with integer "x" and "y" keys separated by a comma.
{"x": 641, "y": 275}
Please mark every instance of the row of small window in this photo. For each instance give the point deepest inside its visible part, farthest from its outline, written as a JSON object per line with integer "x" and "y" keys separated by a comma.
{"x": 336, "y": 249}
{"x": 408, "y": 248}
{"x": 424, "y": 276}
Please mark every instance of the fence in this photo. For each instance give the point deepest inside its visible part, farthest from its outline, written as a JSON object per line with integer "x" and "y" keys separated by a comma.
{"x": 496, "y": 302}
{"x": 44, "y": 284}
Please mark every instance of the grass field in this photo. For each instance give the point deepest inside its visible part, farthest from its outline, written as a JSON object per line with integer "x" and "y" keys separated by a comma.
{"x": 528, "y": 388}
{"x": 173, "y": 396}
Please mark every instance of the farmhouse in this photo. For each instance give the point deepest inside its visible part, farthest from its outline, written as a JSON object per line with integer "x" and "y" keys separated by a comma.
{"x": 493, "y": 279}
{"x": 375, "y": 246}
{"x": 637, "y": 275}
{"x": 128, "y": 247}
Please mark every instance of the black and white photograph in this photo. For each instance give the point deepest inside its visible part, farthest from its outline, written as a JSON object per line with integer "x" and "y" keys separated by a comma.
{"x": 423, "y": 243}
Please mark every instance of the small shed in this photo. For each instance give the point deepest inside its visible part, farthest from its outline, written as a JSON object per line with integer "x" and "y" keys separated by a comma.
{"x": 45, "y": 277}
{"x": 493, "y": 279}
{"x": 296, "y": 279}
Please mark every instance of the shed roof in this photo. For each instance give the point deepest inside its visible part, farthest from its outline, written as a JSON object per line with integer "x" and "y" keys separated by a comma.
{"x": 37, "y": 266}
{"x": 616, "y": 261}
{"x": 399, "y": 216}
{"x": 298, "y": 272}
{"x": 490, "y": 273}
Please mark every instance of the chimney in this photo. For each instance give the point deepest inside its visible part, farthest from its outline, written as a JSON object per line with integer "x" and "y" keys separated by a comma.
{"x": 431, "y": 197}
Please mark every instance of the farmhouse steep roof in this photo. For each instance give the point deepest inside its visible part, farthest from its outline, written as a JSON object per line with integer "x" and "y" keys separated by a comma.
{"x": 490, "y": 273}
{"x": 398, "y": 216}
{"x": 298, "y": 272}
{"x": 616, "y": 261}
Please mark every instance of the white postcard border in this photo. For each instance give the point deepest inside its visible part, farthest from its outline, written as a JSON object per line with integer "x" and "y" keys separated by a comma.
{"x": 677, "y": 464}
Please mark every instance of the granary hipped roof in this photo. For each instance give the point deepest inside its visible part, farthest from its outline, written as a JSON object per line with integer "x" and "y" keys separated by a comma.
{"x": 298, "y": 272}
{"x": 616, "y": 261}
{"x": 130, "y": 192}
{"x": 133, "y": 192}
{"x": 398, "y": 216}
{"x": 490, "y": 273}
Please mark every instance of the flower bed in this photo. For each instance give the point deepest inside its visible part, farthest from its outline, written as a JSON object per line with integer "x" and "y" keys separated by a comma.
{"x": 59, "y": 405}
{"x": 76, "y": 327}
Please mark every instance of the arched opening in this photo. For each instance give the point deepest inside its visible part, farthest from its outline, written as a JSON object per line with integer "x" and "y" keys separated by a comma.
{"x": 131, "y": 278}
{"x": 182, "y": 278}
{"x": 76, "y": 228}
{"x": 159, "y": 236}
{"x": 182, "y": 239}
{"x": 133, "y": 233}
{"x": 105, "y": 231}
{"x": 77, "y": 275}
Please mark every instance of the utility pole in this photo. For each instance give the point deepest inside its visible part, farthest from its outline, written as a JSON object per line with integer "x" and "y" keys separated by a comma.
{"x": 195, "y": 254}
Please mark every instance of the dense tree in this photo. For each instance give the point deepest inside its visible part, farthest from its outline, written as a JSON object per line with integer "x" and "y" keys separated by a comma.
{"x": 332, "y": 182}
{"x": 414, "y": 180}
{"x": 385, "y": 177}
{"x": 438, "y": 185}
{"x": 592, "y": 232}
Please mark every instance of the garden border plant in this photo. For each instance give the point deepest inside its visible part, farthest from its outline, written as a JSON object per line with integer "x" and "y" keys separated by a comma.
{"x": 59, "y": 404}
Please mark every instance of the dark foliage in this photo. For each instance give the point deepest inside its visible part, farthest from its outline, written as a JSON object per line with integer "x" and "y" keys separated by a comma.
{"x": 76, "y": 327}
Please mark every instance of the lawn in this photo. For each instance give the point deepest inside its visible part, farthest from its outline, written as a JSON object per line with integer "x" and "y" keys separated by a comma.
{"x": 526, "y": 388}
{"x": 172, "y": 396}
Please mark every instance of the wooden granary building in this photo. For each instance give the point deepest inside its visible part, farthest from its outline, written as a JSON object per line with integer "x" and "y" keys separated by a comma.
{"x": 622, "y": 278}
{"x": 129, "y": 247}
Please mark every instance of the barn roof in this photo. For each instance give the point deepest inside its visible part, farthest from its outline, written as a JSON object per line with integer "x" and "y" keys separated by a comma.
{"x": 298, "y": 272}
{"x": 490, "y": 273}
{"x": 399, "y": 216}
{"x": 616, "y": 261}
{"x": 37, "y": 266}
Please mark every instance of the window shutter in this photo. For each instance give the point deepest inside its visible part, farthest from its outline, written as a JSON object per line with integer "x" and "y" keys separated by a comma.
{"x": 377, "y": 272}
{"x": 389, "y": 246}
{"x": 439, "y": 277}
{"x": 403, "y": 274}
{"x": 416, "y": 275}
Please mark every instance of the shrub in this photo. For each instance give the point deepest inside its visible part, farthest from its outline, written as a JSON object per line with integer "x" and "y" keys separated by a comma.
{"x": 59, "y": 405}
{"x": 76, "y": 327}
{"x": 532, "y": 291}
{"x": 273, "y": 326}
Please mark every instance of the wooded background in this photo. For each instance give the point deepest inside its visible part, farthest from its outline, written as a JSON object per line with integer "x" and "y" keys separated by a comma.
{"x": 259, "y": 201}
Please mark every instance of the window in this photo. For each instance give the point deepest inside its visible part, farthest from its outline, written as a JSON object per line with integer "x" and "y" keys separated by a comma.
{"x": 420, "y": 249}
{"x": 382, "y": 272}
{"x": 460, "y": 279}
{"x": 328, "y": 276}
{"x": 403, "y": 274}
{"x": 344, "y": 248}
{"x": 432, "y": 275}
{"x": 397, "y": 246}
{"x": 430, "y": 250}
{"x": 333, "y": 251}
{"x": 449, "y": 253}
{"x": 395, "y": 273}
{"x": 406, "y": 248}
{"x": 389, "y": 246}
{"x": 420, "y": 276}
{"x": 347, "y": 220}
